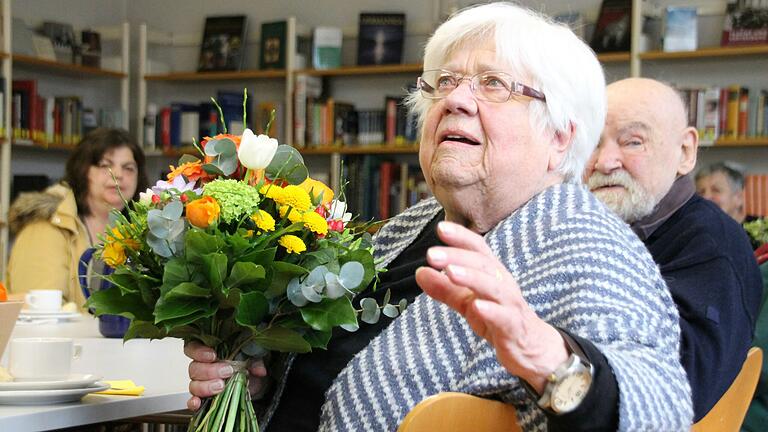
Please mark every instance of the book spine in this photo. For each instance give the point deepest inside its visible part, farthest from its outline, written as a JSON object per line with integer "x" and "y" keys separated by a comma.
{"x": 743, "y": 126}
{"x": 732, "y": 125}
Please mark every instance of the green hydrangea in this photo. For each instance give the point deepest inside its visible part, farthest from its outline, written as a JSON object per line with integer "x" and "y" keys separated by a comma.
{"x": 237, "y": 199}
{"x": 758, "y": 230}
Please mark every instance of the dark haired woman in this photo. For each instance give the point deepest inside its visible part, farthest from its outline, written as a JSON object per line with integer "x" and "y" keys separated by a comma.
{"x": 54, "y": 227}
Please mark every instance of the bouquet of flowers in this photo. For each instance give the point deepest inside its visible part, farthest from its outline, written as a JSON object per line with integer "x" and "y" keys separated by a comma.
{"x": 242, "y": 251}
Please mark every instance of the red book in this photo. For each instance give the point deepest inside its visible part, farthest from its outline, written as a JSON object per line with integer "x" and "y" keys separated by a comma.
{"x": 385, "y": 182}
{"x": 743, "y": 112}
{"x": 165, "y": 128}
{"x": 28, "y": 91}
{"x": 723, "y": 107}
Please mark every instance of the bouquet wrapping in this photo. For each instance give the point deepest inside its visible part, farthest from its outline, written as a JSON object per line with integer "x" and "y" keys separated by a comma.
{"x": 240, "y": 250}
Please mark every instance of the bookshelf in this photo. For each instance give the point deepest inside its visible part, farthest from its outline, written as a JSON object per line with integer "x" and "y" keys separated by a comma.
{"x": 50, "y": 74}
{"x": 707, "y": 53}
{"x": 362, "y": 150}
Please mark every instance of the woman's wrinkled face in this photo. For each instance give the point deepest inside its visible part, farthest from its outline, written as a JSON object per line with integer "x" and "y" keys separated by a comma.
{"x": 102, "y": 188}
{"x": 480, "y": 147}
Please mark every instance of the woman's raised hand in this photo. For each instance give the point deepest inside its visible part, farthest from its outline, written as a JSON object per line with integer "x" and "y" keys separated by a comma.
{"x": 466, "y": 276}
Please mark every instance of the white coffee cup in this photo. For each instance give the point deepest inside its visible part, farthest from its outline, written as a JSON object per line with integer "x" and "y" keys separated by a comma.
{"x": 42, "y": 359}
{"x": 44, "y": 300}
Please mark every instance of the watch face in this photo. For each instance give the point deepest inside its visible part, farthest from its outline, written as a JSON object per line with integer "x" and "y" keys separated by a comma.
{"x": 568, "y": 393}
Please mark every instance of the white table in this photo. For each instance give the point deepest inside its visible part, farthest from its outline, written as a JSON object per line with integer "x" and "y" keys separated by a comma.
{"x": 160, "y": 366}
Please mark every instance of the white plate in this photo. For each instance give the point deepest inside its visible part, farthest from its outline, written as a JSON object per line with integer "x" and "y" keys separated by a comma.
{"x": 75, "y": 381}
{"x": 45, "y": 313}
{"x": 45, "y": 397}
{"x": 39, "y": 316}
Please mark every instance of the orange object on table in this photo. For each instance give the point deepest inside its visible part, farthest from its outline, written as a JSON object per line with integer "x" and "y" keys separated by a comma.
{"x": 3, "y": 293}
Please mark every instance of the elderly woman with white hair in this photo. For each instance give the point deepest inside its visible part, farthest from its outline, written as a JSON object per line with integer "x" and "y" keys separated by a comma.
{"x": 536, "y": 294}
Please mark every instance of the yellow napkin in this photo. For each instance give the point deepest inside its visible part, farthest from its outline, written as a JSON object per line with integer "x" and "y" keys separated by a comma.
{"x": 122, "y": 387}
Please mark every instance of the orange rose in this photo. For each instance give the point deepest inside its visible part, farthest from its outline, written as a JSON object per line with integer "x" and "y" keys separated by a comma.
{"x": 202, "y": 212}
{"x": 193, "y": 171}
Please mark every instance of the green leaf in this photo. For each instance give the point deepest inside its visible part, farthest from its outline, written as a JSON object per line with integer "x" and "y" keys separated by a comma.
{"x": 187, "y": 289}
{"x": 187, "y": 158}
{"x": 283, "y": 272}
{"x": 143, "y": 329}
{"x": 177, "y": 307}
{"x": 329, "y": 313}
{"x": 212, "y": 169}
{"x": 124, "y": 280}
{"x": 114, "y": 302}
{"x": 245, "y": 273}
{"x": 198, "y": 243}
{"x": 264, "y": 257}
{"x": 171, "y": 324}
{"x": 283, "y": 340}
{"x": 287, "y": 164}
{"x": 252, "y": 310}
{"x": 318, "y": 339}
{"x": 215, "y": 268}
{"x": 176, "y": 271}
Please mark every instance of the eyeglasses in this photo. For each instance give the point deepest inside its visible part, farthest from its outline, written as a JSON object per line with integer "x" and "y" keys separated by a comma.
{"x": 490, "y": 86}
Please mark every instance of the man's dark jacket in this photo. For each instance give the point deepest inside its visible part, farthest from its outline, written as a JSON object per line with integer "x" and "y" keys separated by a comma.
{"x": 706, "y": 259}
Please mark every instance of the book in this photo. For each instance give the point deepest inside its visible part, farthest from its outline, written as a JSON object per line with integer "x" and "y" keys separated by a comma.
{"x": 90, "y": 48}
{"x": 326, "y": 49}
{"x": 380, "y": 38}
{"x": 613, "y": 27}
{"x": 62, "y": 36}
{"x": 680, "y": 28}
{"x": 732, "y": 122}
{"x": 274, "y": 36}
{"x": 746, "y": 23}
{"x": 223, "y": 46}
{"x": 22, "y": 38}
{"x": 43, "y": 48}
{"x": 711, "y": 129}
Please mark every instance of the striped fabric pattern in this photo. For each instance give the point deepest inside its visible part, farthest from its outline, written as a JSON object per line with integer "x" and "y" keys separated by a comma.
{"x": 581, "y": 269}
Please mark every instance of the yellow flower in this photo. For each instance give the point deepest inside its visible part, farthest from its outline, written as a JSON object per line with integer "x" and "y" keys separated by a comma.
{"x": 295, "y": 197}
{"x": 264, "y": 221}
{"x": 315, "y": 223}
{"x": 315, "y": 188}
{"x": 271, "y": 191}
{"x": 292, "y": 244}
{"x": 113, "y": 254}
{"x": 293, "y": 214}
{"x": 202, "y": 212}
{"x": 114, "y": 247}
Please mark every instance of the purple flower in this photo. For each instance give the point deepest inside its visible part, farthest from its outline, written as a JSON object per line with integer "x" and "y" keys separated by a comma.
{"x": 178, "y": 185}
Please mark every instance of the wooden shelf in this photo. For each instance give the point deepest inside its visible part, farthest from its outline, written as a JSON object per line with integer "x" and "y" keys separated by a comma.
{"x": 740, "y": 142}
{"x": 711, "y": 52}
{"x": 363, "y": 70}
{"x": 367, "y": 149}
{"x": 614, "y": 57}
{"x": 40, "y": 146}
{"x": 66, "y": 68}
{"x": 217, "y": 76}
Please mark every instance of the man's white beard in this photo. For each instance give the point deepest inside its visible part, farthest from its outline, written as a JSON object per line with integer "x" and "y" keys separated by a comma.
{"x": 631, "y": 204}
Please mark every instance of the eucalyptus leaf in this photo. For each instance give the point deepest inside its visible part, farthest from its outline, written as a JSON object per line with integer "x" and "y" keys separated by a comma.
{"x": 212, "y": 169}
{"x": 366, "y": 259}
{"x": 283, "y": 340}
{"x": 371, "y": 311}
{"x": 333, "y": 287}
{"x": 157, "y": 224}
{"x": 173, "y": 210}
{"x": 293, "y": 292}
{"x": 310, "y": 293}
{"x": 210, "y": 148}
{"x": 316, "y": 276}
{"x": 252, "y": 309}
{"x": 390, "y": 311}
{"x": 329, "y": 313}
{"x": 350, "y": 327}
{"x": 351, "y": 275}
{"x": 226, "y": 147}
{"x": 402, "y": 305}
{"x": 287, "y": 164}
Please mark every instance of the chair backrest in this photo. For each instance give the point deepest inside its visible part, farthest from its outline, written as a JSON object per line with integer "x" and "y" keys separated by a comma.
{"x": 728, "y": 413}
{"x": 459, "y": 412}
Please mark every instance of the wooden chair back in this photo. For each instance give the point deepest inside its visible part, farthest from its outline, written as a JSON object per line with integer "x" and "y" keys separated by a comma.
{"x": 728, "y": 413}
{"x": 459, "y": 412}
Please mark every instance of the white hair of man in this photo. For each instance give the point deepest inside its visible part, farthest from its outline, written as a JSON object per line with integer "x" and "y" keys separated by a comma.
{"x": 557, "y": 62}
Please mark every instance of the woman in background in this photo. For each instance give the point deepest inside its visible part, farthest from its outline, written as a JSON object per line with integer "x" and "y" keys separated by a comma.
{"x": 54, "y": 227}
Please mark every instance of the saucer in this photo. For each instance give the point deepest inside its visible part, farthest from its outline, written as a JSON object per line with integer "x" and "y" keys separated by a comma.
{"x": 46, "y": 313}
{"x": 74, "y": 381}
{"x": 30, "y": 315}
{"x": 45, "y": 397}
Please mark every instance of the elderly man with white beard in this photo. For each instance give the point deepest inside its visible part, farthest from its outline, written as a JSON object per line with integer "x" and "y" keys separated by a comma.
{"x": 641, "y": 170}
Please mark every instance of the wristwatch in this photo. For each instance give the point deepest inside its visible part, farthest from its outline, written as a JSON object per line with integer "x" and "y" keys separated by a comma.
{"x": 568, "y": 384}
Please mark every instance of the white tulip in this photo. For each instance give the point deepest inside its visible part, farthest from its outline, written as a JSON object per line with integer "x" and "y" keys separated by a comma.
{"x": 256, "y": 152}
{"x": 146, "y": 197}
